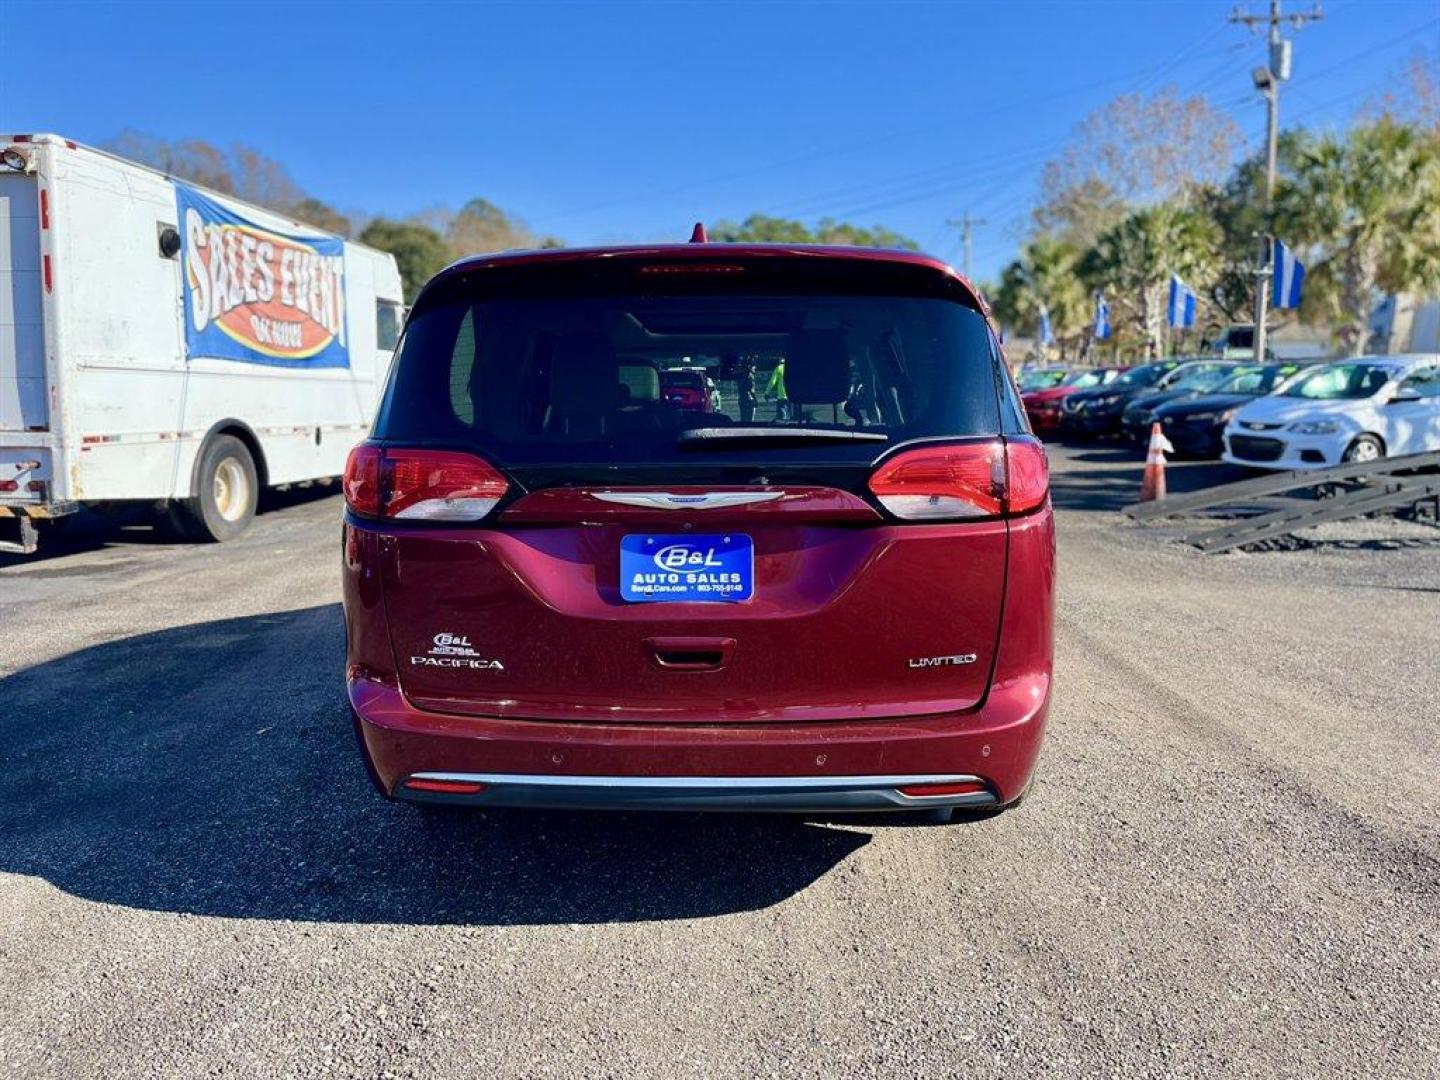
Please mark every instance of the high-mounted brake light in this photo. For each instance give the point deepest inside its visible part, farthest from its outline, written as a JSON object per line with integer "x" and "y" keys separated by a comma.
{"x": 421, "y": 485}
{"x": 963, "y": 480}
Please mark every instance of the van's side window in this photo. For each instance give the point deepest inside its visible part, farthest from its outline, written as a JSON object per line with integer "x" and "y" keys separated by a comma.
{"x": 387, "y": 325}
{"x": 462, "y": 370}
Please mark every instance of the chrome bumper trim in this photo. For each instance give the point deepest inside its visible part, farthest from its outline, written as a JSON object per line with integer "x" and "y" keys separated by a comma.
{"x": 735, "y": 793}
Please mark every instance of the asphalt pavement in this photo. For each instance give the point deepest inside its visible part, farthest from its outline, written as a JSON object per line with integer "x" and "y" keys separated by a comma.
{"x": 1230, "y": 865}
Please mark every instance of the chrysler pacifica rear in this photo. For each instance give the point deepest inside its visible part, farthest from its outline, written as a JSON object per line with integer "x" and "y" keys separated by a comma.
{"x": 831, "y": 591}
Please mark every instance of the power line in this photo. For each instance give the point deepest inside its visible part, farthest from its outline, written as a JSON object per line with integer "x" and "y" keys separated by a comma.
{"x": 848, "y": 148}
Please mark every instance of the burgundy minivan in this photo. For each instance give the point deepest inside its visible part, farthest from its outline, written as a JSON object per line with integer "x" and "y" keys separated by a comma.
{"x": 562, "y": 590}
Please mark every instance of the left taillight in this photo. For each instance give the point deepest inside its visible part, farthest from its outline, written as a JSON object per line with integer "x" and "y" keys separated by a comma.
{"x": 421, "y": 485}
{"x": 362, "y": 480}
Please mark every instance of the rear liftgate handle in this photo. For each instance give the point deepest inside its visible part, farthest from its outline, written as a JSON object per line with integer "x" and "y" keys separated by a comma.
{"x": 690, "y": 653}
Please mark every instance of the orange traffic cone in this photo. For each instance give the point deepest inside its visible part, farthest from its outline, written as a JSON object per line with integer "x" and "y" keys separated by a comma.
{"x": 1153, "y": 485}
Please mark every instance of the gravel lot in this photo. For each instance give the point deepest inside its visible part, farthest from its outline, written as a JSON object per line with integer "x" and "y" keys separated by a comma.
{"x": 1231, "y": 865}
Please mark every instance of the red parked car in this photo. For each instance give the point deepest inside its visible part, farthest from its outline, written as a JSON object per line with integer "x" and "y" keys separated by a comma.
{"x": 557, "y": 595}
{"x": 1043, "y": 406}
{"x": 689, "y": 389}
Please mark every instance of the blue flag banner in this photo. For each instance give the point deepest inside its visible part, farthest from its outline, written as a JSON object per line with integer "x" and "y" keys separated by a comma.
{"x": 1047, "y": 337}
{"x": 1182, "y": 303}
{"x": 1102, "y": 317}
{"x": 1289, "y": 274}
{"x": 256, "y": 295}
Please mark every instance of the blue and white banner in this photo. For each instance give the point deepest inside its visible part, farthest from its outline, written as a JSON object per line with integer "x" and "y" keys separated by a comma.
{"x": 256, "y": 295}
{"x": 1046, "y": 335}
{"x": 1102, "y": 317}
{"x": 1182, "y": 303}
{"x": 1289, "y": 273}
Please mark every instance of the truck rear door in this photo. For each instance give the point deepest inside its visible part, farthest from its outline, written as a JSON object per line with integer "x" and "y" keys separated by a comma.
{"x": 22, "y": 336}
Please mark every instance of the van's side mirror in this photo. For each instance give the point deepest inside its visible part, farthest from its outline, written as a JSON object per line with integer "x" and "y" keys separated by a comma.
{"x": 1403, "y": 395}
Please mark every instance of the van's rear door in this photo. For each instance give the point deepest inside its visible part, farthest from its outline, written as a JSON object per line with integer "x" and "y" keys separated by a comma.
{"x": 651, "y": 563}
{"x": 22, "y": 335}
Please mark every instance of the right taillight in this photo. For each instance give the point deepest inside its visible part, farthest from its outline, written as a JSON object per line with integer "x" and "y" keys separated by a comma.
{"x": 423, "y": 485}
{"x": 1027, "y": 481}
{"x": 963, "y": 480}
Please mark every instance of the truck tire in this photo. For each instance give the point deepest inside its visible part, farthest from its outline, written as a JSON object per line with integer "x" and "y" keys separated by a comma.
{"x": 227, "y": 488}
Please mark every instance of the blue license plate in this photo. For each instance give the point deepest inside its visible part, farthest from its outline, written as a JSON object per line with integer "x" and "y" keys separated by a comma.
{"x": 657, "y": 568}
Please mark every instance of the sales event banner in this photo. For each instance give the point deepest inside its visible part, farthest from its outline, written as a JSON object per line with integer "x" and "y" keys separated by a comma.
{"x": 256, "y": 295}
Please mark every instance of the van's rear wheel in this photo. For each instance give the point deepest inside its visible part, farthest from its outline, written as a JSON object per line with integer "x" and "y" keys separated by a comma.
{"x": 227, "y": 488}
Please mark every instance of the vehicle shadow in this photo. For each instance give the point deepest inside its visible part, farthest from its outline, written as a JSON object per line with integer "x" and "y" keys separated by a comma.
{"x": 211, "y": 769}
{"x": 1112, "y": 480}
{"x": 138, "y": 526}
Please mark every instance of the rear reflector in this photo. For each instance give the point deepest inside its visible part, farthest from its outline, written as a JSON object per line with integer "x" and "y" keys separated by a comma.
{"x": 421, "y": 485}
{"x": 962, "y": 787}
{"x": 445, "y": 787}
{"x": 964, "y": 480}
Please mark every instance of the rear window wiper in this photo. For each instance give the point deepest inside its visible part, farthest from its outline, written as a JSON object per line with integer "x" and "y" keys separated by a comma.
{"x": 724, "y": 438}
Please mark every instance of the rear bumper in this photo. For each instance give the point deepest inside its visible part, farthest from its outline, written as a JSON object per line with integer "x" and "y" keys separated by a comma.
{"x": 807, "y": 794}
{"x": 849, "y": 766}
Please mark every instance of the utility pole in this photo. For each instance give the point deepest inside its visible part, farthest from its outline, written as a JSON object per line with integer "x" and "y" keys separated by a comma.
{"x": 1267, "y": 80}
{"x": 967, "y": 235}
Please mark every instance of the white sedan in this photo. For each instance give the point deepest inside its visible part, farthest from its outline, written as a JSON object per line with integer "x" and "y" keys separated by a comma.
{"x": 1354, "y": 410}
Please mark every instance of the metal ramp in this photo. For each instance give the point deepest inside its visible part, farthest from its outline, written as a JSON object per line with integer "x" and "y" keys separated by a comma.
{"x": 1381, "y": 487}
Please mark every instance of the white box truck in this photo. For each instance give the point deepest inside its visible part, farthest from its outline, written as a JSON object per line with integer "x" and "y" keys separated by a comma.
{"x": 166, "y": 344}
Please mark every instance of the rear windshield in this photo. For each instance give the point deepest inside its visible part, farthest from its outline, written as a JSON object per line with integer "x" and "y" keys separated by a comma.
{"x": 589, "y": 372}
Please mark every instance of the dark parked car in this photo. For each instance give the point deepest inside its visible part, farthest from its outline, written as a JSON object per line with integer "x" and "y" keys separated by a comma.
{"x": 1097, "y": 411}
{"x": 560, "y": 592}
{"x": 1187, "y": 380}
{"x": 1194, "y": 425}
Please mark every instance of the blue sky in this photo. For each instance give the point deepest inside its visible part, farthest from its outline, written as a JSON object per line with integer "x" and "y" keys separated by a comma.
{"x": 627, "y": 122}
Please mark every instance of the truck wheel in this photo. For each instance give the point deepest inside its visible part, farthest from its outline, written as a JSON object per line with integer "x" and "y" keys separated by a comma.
{"x": 227, "y": 487}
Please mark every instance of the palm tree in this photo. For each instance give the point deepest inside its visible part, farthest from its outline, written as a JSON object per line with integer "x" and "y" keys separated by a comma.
{"x": 1044, "y": 279}
{"x": 1133, "y": 260}
{"x": 1368, "y": 207}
